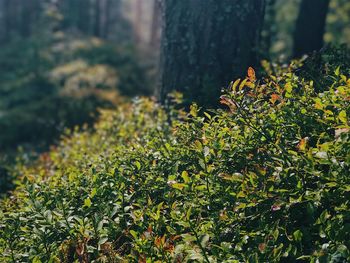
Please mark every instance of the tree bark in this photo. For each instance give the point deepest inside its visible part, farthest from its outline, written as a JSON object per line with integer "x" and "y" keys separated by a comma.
{"x": 206, "y": 44}
{"x": 7, "y": 20}
{"x": 310, "y": 26}
{"x": 269, "y": 30}
{"x": 97, "y": 22}
{"x": 156, "y": 25}
{"x": 28, "y": 17}
{"x": 107, "y": 21}
{"x": 84, "y": 22}
{"x": 138, "y": 21}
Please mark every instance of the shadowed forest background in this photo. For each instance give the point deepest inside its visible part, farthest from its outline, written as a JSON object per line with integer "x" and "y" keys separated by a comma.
{"x": 79, "y": 75}
{"x": 62, "y": 60}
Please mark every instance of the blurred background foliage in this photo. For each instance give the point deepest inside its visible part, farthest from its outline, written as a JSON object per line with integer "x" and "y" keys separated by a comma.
{"x": 280, "y": 20}
{"x": 60, "y": 62}
{"x": 58, "y": 77}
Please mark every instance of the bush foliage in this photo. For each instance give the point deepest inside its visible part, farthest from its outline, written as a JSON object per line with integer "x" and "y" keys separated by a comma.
{"x": 264, "y": 180}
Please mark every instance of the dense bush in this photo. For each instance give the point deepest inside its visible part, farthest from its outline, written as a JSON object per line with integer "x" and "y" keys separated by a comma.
{"x": 320, "y": 65}
{"x": 265, "y": 181}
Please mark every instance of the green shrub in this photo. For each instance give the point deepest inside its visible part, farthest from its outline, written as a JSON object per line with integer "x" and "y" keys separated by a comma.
{"x": 320, "y": 65}
{"x": 265, "y": 181}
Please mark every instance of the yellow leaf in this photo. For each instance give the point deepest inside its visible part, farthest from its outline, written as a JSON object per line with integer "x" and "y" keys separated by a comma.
{"x": 342, "y": 116}
{"x": 288, "y": 87}
{"x": 241, "y": 194}
{"x": 235, "y": 84}
{"x": 241, "y": 86}
{"x": 318, "y": 104}
{"x": 178, "y": 186}
{"x": 302, "y": 144}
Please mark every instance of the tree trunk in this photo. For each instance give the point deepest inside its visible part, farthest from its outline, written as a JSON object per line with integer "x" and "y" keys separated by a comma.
{"x": 269, "y": 30}
{"x": 27, "y": 17}
{"x": 84, "y": 23}
{"x": 138, "y": 21}
{"x": 107, "y": 21}
{"x": 155, "y": 26}
{"x": 97, "y": 22}
{"x": 3, "y": 22}
{"x": 310, "y": 26}
{"x": 7, "y": 20}
{"x": 206, "y": 44}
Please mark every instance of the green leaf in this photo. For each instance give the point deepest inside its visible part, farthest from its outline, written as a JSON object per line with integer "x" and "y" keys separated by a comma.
{"x": 241, "y": 194}
{"x": 87, "y": 202}
{"x": 199, "y": 146}
{"x": 207, "y": 115}
{"x": 138, "y": 165}
{"x": 337, "y": 71}
{"x": 93, "y": 192}
{"x": 298, "y": 235}
{"x": 133, "y": 233}
{"x": 188, "y": 213}
{"x": 194, "y": 110}
{"x": 324, "y": 216}
{"x": 36, "y": 260}
{"x": 201, "y": 187}
{"x": 185, "y": 177}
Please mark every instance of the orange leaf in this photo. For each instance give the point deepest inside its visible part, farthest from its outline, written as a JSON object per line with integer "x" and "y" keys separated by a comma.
{"x": 251, "y": 74}
{"x": 302, "y": 144}
{"x": 142, "y": 259}
{"x": 159, "y": 241}
{"x": 227, "y": 101}
{"x": 274, "y": 98}
{"x": 169, "y": 248}
{"x": 262, "y": 247}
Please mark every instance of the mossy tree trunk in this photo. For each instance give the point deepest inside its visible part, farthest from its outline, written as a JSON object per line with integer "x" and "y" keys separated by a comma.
{"x": 310, "y": 26}
{"x": 206, "y": 44}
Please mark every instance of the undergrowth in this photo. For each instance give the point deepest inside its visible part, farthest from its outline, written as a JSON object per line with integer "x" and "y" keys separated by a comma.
{"x": 264, "y": 180}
